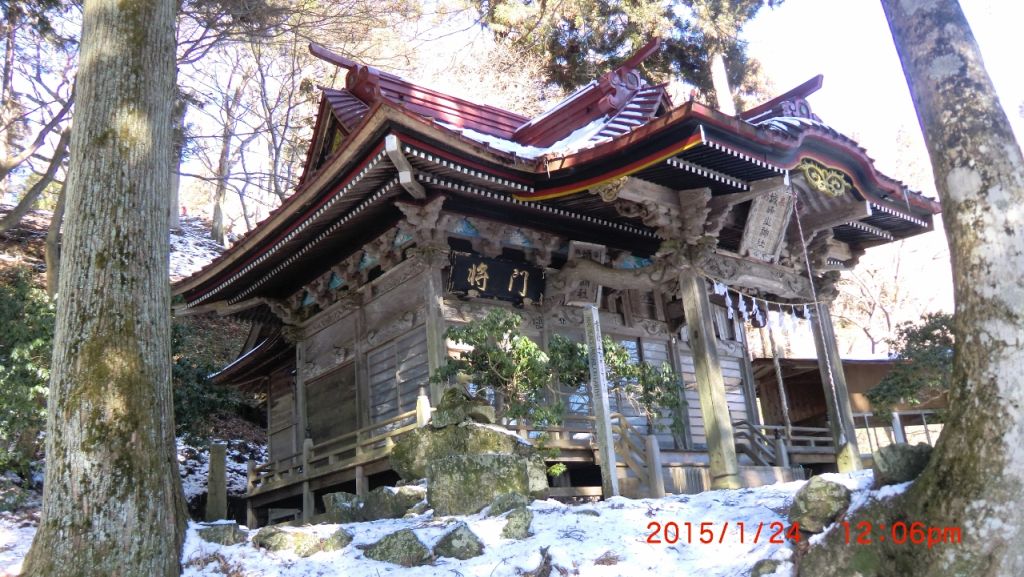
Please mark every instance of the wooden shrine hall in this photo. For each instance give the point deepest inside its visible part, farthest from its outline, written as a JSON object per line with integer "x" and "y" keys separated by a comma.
{"x": 680, "y": 224}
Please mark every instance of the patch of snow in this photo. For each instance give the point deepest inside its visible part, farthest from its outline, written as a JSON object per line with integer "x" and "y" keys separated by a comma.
{"x": 191, "y": 248}
{"x": 16, "y": 533}
{"x": 194, "y": 465}
{"x": 574, "y": 541}
{"x": 574, "y": 142}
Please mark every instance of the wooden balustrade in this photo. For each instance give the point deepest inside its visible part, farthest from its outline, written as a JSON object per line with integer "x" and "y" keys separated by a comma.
{"x": 341, "y": 452}
{"x": 774, "y": 444}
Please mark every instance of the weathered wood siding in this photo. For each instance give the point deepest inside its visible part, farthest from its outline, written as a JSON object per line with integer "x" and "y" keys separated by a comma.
{"x": 733, "y": 375}
{"x": 281, "y": 417}
{"x": 332, "y": 407}
{"x": 396, "y": 371}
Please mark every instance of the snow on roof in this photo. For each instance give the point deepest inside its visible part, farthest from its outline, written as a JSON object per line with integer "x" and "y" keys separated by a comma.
{"x": 579, "y": 139}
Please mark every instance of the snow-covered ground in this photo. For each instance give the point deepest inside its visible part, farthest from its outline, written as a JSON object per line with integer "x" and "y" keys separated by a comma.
{"x": 602, "y": 540}
{"x": 191, "y": 248}
{"x": 194, "y": 464}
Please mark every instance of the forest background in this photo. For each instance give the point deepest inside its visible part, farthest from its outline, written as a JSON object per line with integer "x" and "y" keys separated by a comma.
{"x": 248, "y": 95}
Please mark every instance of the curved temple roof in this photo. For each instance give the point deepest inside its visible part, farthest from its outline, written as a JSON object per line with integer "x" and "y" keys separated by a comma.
{"x": 615, "y": 126}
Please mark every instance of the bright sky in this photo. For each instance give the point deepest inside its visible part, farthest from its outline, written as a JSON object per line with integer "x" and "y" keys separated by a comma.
{"x": 864, "y": 93}
{"x": 865, "y": 96}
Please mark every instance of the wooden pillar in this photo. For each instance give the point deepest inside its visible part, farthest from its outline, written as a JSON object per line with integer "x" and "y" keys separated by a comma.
{"x": 250, "y": 511}
{"x": 433, "y": 295}
{"x": 749, "y": 383}
{"x": 781, "y": 451}
{"x": 837, "y": 397}
{"x": 724, "y": 468}
{"x": 655, "y": 475}
{"x": 684, "y": 403}
{"x": 307, "y": 493}
{"x": 300, "y": 393}
{"x": 216, "y": 484}
{"x": 361, "y": 481}
{"x": 422, "y": 409}
{"x": 599, "y": 399}
{"x": 897, "y": 429}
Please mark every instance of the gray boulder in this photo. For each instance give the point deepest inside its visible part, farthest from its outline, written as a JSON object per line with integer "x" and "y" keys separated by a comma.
{"x": 380, "y": 503}
{"x": 344, "y": 507}
{"x": 818, "y": 503}
{"x": 301, "y": 542}
{"x": 900, "y": 463}
{"x": 465, "y": 484}
{"x": 222, "y": 533}
{"x": 391, "y": 502}
{"x": 460, "y": 543}
{"x": 401, "y": 548}
{"x": 12, "y": 496}
{"x": 506, "y": 502}
{"x": 517, "y": 524}
{"x": 417, "y": 448}
{"x": 458, "y": 406}
{"x": 764, "y": 567}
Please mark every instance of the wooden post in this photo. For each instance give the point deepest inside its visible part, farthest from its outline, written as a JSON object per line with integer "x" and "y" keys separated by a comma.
{"x": 655, "y": 476}
{"x": 897, "y": 429}
{"x": 599, "y": 399}
{"x": 300, "y": 393}
{"x": 422, "y": 409}
{"x": 724, "y": 467}
{"x": 250, "y": 511}
{"x": 781, "y": 452}
{"x": 433, "y": 295}
{"x": 307, "y": 493}
{"x": 361, "y": 481}
{"x": 684, "y": 404}
{"x": 837, "y": 397}
{"x": 216, "y": 483}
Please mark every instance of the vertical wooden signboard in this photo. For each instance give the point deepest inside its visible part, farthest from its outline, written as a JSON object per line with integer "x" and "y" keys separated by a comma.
{"x": 599, "y": 397}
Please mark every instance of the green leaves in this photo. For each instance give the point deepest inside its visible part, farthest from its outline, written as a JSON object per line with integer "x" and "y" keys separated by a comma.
{"x": 582, "y": 39}
{"x": 531, "y": 384}
{"x": 505, "y": 363}
{"x": 927, "y": 349}
{"x": 26, "y": 326}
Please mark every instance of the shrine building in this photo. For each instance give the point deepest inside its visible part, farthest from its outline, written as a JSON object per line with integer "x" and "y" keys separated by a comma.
{"x": 419, "y": 210}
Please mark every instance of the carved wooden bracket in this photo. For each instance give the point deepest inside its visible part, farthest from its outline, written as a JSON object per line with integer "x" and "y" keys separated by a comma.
{"x": 423, "y": 220}
{"x": 664, "y": 219}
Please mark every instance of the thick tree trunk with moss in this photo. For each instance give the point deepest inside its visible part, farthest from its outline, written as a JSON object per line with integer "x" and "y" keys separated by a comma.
{"x": 975, "y": 480}
{"x": 112, "y": 502}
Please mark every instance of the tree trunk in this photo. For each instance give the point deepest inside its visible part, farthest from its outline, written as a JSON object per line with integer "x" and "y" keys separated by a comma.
{"x": 112, "y": 503}
{"x": 52, "y": 254}
{"x": 720, "y": 80}
{"x": 224, "y": 165}
{"x": 11, "y": 219}
{"x": 180, "y": 108}
{"x": 10, "y": 32}
{"x": 976, "y": 478}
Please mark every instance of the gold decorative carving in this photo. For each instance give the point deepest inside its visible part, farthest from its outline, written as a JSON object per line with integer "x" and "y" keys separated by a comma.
{"x": 828, "y": 181}
{"x": 609, "y": 191}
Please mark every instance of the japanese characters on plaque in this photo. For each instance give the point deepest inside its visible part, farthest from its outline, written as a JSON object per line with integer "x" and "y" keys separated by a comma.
{"x": 766, "y": 225}
{"x": 585, "y": 291}
{"x": 478, "y": 276}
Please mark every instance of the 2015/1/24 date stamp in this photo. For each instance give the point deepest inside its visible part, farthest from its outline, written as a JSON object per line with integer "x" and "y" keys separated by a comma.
{"x": 709, "y": 532}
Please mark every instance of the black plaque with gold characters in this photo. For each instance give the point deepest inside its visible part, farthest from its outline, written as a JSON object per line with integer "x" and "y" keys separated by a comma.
{"x": 476, "y": 276}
